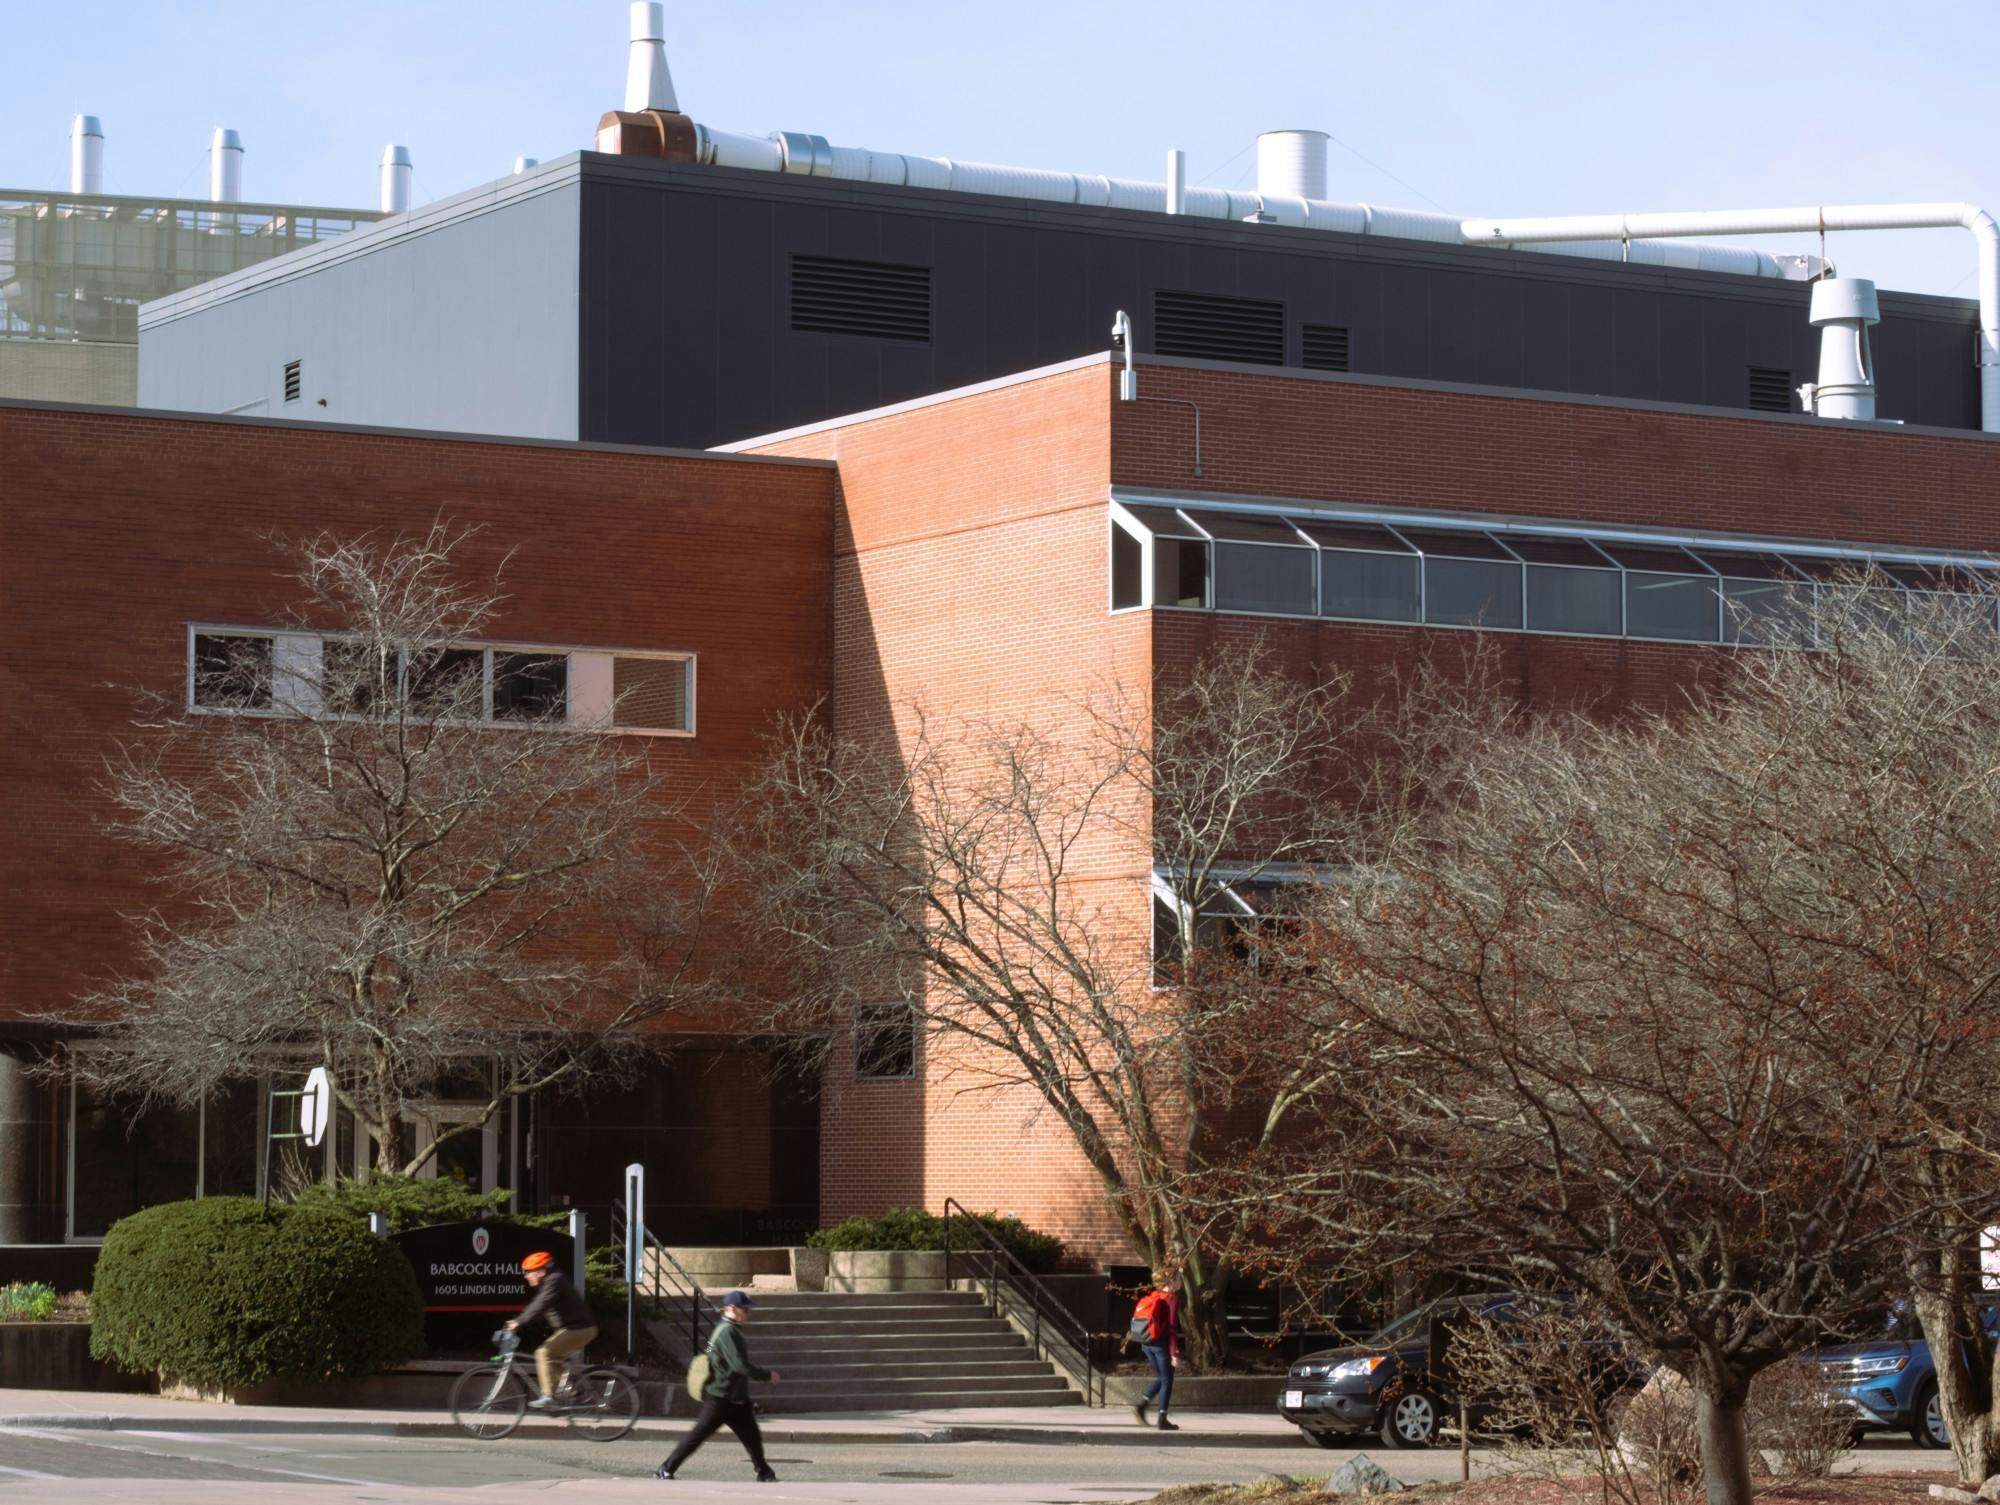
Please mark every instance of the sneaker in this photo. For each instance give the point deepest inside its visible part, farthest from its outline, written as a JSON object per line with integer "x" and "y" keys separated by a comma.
{"x": 542, "y": 1403}
{"x": 1139, "y": 1413}
{"x": 765, "y": 1476}
{"x": 661, "y": 1472}
{"x": 1167, "y": 1426}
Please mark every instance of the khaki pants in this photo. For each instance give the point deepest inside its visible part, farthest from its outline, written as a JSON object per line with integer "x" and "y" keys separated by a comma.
{"x": 563, "y": 1342}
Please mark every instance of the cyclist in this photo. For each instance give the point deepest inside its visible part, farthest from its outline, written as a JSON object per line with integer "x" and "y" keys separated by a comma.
{"x": 562, "y": 1304}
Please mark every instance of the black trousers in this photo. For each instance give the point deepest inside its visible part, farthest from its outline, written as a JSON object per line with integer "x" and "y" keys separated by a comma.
{"x": 734, "y": 1414}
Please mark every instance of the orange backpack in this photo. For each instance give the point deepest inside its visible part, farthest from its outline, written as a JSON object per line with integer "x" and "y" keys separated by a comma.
{"x": 1148, "y": 1317}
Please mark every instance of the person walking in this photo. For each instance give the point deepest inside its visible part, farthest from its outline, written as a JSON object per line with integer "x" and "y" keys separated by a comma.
{"x": 556, "y": 1299}
{"x": 725, "y": 1399}
{"x": 1156, "y": 1322}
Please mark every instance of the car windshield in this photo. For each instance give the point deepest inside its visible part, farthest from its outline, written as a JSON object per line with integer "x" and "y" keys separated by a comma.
{"x": 1406, "y": 1326}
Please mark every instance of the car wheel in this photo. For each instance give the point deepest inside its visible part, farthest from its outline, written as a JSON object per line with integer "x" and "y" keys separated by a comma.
{"x": 1410, "y": 1420}
{"x": 1927, "y": 1429}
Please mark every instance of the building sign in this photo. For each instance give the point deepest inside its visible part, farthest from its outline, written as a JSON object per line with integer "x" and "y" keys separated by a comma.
{"x": 476, "y": 1267}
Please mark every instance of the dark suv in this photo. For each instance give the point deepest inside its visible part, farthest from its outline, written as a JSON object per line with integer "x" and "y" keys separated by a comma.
{"x": 1387, "y": 1386}
{"x": 1381, "y": 1386}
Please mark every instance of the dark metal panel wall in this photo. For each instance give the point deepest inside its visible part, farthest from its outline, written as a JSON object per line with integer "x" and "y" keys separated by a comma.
{"x": 686, "y": 337}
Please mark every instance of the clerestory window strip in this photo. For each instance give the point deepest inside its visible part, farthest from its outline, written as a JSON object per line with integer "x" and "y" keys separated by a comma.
{"x": 1500, "y": 574}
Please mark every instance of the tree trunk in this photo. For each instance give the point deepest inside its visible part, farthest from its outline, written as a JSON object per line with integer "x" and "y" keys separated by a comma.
{"x": 1968, "y": 1376}
{"x": 1725, "y": 1449}
{"x": 1204, "y": 1322}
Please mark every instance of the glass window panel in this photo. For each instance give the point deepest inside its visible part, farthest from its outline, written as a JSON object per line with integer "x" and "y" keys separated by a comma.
{"x": 1258, "y": 577}
{"x": 1765, "y": 613}
{"x": 1374, "y": 587}
{"x": 1561, "y": 599}
{"x": 1126, "y": 554}
{"x": 885, "y": 1041}
{"x": 1162, "y": 520}
{"x": 123, "y": 1164}
{"x": 1180, "y": 572}
{"x": 1453, "y": 545}
{"x": 1678, "y": 607}
{"x": 1657, "y": 561}
{"x": 1472, "y": 593}
{"x": 449, "y": 683}
{"x": 1332, "y": 535}
{"x": 229, "y": 1140}
{"x": 355, "y": 677}
{"x": 530, "y": 686}
{"x": 232, "y": 673}
{"x": 1245, "y": 528}
{"x": 1537, "y": 549}
{"x": 650, "y": 694}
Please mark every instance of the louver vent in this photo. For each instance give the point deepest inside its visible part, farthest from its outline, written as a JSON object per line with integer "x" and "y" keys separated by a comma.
{"x": 1201, "y": 326}
{"x": 291, "y": 381}
{"x": 1325, "y": 347}
{"x": 861, "y": 297}
{"x": 1770, "y": 389}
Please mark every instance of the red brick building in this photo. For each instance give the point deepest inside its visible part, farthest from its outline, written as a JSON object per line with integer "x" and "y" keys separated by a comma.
{"x": 995, "y": 551}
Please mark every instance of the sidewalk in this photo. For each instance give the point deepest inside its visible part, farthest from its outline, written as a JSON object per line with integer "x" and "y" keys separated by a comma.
{"x": 1069, "y": 1426}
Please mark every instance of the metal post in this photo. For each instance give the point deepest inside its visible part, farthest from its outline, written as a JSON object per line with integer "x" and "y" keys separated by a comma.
{"x": 635, "y": 1251}
{"x": 576, "y": 1238}
{"x": 378, "y": 1225}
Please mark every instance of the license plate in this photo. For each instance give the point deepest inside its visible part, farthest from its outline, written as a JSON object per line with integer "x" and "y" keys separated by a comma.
{"x": 1295, "y": 1400}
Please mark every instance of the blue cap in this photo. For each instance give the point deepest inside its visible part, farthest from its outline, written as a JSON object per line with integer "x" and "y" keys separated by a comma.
{"x": 737, "y": 1298}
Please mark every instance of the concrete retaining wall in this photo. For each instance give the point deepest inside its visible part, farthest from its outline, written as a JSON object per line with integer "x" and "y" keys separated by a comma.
{"x": 56, "y": 1356}
{"x": 885, "y": 1270}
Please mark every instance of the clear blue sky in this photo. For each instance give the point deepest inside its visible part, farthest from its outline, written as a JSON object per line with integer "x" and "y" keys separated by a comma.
{"x": 1503, "y": 107}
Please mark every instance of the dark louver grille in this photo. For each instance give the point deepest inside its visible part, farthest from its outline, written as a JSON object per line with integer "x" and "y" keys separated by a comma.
{"x": 1325, "y": 347}
{"x": 1201, "y": 326}
{"x": 1770, "y": 389}
{"x": 861, "y": 297}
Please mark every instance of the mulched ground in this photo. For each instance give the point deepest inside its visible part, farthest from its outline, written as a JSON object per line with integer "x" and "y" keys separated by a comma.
{"x": 1850, "y": 1489}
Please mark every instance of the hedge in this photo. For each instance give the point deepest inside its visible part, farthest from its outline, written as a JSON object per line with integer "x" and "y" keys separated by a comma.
{"x": 405, "y": 1201}
{"x": 913, "y": 1228}
{"x": 223, "y": 1293}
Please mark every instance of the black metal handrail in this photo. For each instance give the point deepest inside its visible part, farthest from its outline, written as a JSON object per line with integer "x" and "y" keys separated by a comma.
{"x": 663, "y": 1278}
{"x": 1052, "y": 1320}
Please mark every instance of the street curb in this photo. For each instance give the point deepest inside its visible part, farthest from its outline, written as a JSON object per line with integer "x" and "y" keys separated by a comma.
{"x": 787, "y": 1436}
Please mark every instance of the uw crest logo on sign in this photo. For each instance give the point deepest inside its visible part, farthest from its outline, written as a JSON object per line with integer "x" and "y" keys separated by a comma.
{"x": 480, "y": 1239}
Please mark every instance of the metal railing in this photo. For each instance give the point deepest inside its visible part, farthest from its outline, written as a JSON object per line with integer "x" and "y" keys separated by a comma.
{"x": 1014, "y": 1291}
{"x": 673, "y": 1292}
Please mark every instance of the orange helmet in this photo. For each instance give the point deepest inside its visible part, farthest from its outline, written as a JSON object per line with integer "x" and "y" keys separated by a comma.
{"x": 541, "y": 1259}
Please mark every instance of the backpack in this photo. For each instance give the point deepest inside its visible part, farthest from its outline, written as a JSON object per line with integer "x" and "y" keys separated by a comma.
{"x": 698, "y": 1372}
{"x": 1145, "y": 1317}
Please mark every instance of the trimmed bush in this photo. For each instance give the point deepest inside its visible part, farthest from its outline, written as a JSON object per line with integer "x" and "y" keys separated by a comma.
{"x": 223, "y": 1293}
{"x": 405, "y": 1201}
{"x": 913, "y": 1228}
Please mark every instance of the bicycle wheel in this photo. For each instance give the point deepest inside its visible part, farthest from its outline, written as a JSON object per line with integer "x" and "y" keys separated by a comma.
{"x": 488, "y": 1402}
{"x": 605, "y": 1405}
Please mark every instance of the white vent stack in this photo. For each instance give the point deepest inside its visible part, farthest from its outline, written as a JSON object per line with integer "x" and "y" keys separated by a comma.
{"x": 397, "y": 171}
{"x": 1291, "y": 164}
{"x": 648, "y": 84}
{"x": 1842, "y": 310}
{"x": 86, "y": 155}
{"x": 1176, "y": 180}
{"x": 522, "y": 164}
{"x": 225, "y": 167}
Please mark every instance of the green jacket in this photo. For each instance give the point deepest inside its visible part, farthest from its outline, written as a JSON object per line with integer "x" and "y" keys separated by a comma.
{"x": 729, "y": 1368}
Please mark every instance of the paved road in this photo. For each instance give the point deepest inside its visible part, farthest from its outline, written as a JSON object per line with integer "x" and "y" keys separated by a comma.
{"x": 161, "y": 1468}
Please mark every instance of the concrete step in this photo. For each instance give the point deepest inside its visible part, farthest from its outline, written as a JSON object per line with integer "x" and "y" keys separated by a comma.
{"x": 860, "y": 1301}
{"x": 770, "y": 1401}
{"x": 806, "y": 1378}
{"x": 889, "y": 1349}
{"x": 929, "y": 1367}
{"x": 838, "y": 1328}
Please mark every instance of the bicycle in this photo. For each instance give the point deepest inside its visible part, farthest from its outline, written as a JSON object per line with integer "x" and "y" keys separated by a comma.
{"x": 597, "y": 1400}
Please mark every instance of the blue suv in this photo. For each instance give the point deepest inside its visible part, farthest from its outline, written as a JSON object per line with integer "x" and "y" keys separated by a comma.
{"x": 1891, "y": 1382}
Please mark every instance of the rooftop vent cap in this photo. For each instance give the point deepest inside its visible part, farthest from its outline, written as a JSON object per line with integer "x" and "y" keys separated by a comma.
{"x": 1292, "y": 164}
{"x": 522, "y": 164}
{"x": 648, "y": 84}
{"x": 397, "y": 171}
{"x": 86, "y": 155}
{"x": 1842, "y": 310}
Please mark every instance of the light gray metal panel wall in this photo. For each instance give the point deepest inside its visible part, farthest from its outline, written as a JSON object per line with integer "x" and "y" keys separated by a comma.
{"x": 468, "y": 325}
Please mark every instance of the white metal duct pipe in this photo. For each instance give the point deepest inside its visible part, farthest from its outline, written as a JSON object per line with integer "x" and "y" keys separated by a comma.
{"x": 1176, "y": 181}
{"x": 86, "y": 155}
{"x": 225, "y": 167}
{"x": 397, "y": 171}
{"x": 1292, "y": 164}
{"x": 798, "y": 152}
{"x": 648, "y": 84}
{"x": 1602, "y": 227}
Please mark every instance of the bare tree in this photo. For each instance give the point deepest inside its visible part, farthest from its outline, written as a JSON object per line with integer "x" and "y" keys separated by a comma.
{"x": 1673, "y": 1013}
{"x": 381, "y": 858}
{"x": 967, "y": 871}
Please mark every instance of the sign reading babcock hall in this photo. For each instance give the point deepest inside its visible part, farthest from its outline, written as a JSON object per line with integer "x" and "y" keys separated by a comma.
{"x": 476, "y": 1267}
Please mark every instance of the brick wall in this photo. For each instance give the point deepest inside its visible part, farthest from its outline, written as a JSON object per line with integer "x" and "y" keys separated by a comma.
{"x": 117, "y": 529}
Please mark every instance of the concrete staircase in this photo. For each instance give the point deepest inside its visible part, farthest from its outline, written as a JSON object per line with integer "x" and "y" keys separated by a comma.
{"x": 893, "y": 1351}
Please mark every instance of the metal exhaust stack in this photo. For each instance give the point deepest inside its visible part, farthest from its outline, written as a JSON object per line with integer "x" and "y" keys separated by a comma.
{"x": 225, "y": 167}
{"x": 648, "y": 84}
{"x": 1842, "y": 310}
{"x": 397, "y": 171}
{"x": 1292, "y": 164}
{"x": 86, "y": 155}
